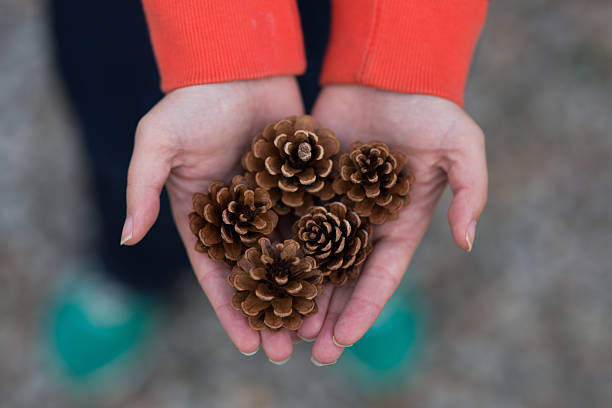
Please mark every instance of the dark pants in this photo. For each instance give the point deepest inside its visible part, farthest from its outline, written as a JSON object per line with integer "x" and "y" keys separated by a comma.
{"x": 106, "y": 62}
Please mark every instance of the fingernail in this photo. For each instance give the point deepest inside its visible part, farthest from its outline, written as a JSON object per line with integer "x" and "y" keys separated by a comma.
{"x": 306, "y": 339}
{"x": 126, "y": 233}
{"x": 338, "y": 344}
{"x": 470, "y": 235}
{"x": 315, "y": 362}
{"x": 280, "y": 362}
{"x": 296, "y": 341}
{"x": 251, "y": 353}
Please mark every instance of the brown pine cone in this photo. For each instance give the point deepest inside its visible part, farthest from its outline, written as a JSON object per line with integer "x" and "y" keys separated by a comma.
{"x": 292, "y": 159}
{"x": 371, "y": 177}
{"x": 337, "y": 238}
{"x": 231, "y": 218}
{"x": 276, "y": 285}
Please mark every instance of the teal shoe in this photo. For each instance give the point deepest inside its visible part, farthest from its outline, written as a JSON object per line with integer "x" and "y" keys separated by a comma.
{"x": 95, "y": 330}
{"x": 388, "y": 353}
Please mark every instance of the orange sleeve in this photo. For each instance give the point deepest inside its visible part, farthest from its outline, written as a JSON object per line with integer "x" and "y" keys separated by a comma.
{"x": 412, "y": 46}
{"x": 204, "y": 41}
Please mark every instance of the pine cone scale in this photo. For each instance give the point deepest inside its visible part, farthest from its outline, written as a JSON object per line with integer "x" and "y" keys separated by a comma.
{"x": 245, "y": 282}
{"x": 237, "y": 299}
{"x": 293, "y": 322}
{"x": 196, "y": 223}
{"x": 287, "y": 187}
{"x": 304, "y": 306}
{"x": 252, "y": 305}
{"x": 308, "y": 290}
{"x": 233, "y": 251}
{"x": 262, "y": 149}
{"x": 258, "y": 273}
{"x": 199, "y": 201}
{"x": 211, "y": 214}
{"x": 209, "y": 235}
{"x": 256, "y": 322}
{"x": 294, "y": 287}
{"x": 251, "y": 164}
{"x": 266, "y": 180}
{"x": 273, "y": 165}
{"x": 293, "y": 199}
{"x": 323, "y": 167}
{"x": 282, "y": 306}
{"x": 272, "y": 320}
{"x": 262, "y": 291}
{"x": 315, "y": 187}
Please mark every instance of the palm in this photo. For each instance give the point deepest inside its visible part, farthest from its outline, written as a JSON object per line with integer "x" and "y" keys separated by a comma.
{"x": 441, "y": 142}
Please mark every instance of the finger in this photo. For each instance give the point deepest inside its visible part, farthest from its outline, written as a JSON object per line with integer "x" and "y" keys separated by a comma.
{"x": 312, "y": 324}
{"x": 277, "y": 345}
{"x": 147, "y": 173}
{"x": 382, "y": 273}
{"x": 467, "y": 176}
{"x": 324, "y": 350}
{"x": 212, "y": 277}
{"x": 295, "y": 338}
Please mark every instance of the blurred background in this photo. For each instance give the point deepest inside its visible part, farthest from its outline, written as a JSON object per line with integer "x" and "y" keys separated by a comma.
{"x": 522, "y": 321}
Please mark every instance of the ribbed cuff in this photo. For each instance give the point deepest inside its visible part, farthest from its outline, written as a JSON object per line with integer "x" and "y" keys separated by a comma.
{"x": 205, "y": 41}
{"x": 412, "y": 46}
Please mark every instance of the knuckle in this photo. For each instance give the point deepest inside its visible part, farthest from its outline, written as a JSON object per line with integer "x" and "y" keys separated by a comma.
{"x": 152, "y": 128}
{"x": 144, "y": 125}
{"x": 392, "y": 279}
{"x": 478, "y": 135}
{"x": 480, "y": 138}
{"x": 373, "y": 304}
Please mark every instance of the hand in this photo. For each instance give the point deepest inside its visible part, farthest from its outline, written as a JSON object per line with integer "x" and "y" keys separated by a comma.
{"x": 443, "y": 144}
{"x": 193, "y": 136}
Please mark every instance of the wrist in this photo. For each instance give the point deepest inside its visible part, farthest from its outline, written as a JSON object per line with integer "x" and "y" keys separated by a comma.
{"x": 377, "y": 99}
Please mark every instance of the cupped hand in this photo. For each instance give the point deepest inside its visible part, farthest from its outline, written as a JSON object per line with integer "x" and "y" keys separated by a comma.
{"x": 193, "y": 136}
{"x": 443, "y": 145}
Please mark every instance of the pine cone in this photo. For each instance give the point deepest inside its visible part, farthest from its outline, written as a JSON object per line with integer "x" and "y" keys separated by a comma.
{"x": 292, "y": 159}
{"x": 229, "y": 219}
{"x": 371, "y": 178}
{"x": 336, "y": 238}
{"x": 276, "y": 285}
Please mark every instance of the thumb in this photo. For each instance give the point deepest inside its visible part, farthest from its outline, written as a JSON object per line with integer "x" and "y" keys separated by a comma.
{"x": 467, "y": 176}
{"x": 147, "y": 174}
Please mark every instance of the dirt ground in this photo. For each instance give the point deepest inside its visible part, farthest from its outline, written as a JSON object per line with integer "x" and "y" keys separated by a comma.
{"x": 523, "y": 321}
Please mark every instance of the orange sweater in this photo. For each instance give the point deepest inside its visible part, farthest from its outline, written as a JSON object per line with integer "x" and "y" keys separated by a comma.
{"x": 413, "y": 46}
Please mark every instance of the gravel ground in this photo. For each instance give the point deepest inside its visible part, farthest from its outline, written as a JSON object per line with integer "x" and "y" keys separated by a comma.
{"x": 523, "y": 321}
